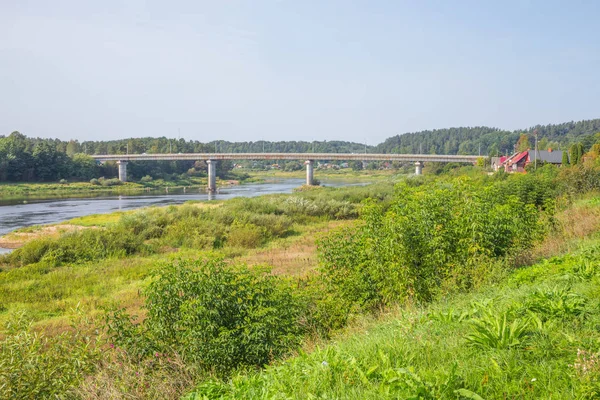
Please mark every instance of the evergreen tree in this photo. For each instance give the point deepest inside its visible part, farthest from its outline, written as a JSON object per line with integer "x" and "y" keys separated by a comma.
{"x": 565, "y": 158}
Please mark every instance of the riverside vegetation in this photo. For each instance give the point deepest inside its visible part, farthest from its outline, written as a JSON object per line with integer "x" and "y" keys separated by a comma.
{"x": 423, "y": 291}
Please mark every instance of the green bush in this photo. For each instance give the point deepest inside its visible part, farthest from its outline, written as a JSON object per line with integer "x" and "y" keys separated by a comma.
{"x": 430, "y": 236}
{"x": 36, "y": 366}
{"x": 84, "y": 245}
{"x": 218, "y": 316}
{"x": 110, "y": 182}
{"x": 245, "y": 235}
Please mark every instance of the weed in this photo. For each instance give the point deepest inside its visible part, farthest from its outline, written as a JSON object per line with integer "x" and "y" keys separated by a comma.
{"x": 495, "y": 332}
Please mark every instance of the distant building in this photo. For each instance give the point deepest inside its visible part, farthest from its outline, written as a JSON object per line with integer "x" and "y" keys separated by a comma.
{"x": 518, "y": 161}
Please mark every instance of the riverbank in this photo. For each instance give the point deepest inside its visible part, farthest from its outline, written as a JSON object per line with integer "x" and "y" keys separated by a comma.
{"x": 52, "y": 189}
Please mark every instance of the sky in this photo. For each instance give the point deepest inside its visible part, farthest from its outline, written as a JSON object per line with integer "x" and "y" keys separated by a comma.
{"x": 293, "y": 70}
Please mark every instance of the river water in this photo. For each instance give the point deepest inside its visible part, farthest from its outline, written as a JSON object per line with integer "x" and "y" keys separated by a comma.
{"x": 18, "y": 213}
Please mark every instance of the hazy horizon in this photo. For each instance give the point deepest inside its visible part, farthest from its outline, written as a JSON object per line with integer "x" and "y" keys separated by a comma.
{"x": 283, "y": 70}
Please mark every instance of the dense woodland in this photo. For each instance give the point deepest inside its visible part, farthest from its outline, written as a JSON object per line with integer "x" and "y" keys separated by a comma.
{"x": 24, "y": 159}
{"x": 490, "y": 141}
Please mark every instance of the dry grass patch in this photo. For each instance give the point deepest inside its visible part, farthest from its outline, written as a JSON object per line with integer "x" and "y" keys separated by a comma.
{"x": 573, "y": 225}
{"x": 14, "y": 240}
{"x": 296, "y": 257}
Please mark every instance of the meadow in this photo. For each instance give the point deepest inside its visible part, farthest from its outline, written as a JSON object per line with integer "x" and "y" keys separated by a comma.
{"x": 464, "y": 285}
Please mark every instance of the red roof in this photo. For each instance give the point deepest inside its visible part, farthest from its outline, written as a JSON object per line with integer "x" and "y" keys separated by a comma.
{"x": 519, "y": 157}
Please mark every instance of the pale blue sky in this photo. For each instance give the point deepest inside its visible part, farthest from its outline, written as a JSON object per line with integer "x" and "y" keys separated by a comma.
{"x": 293, "y": 70}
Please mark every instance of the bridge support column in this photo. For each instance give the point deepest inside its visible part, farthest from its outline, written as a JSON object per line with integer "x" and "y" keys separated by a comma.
{"x": 309, "y": 172}
{"x": 418, "y": 168}
{"x": 212, "y": 175}
{"x": 122, "y": 170}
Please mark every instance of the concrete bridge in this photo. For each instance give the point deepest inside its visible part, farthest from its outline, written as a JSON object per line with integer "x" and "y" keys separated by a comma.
{"x": 308, "y": 158}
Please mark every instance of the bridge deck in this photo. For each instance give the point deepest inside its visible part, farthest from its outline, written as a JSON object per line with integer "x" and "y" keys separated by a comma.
{"x": 287, "y": 156}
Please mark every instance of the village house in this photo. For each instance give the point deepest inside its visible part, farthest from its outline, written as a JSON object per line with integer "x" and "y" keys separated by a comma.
{"x": 518, "y": 161}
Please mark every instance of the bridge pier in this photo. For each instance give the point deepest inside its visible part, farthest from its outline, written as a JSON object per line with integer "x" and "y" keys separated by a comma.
{"x": 212, "y": 175}
{"x": 418, "y": 168}
{"x": 122, "y": 170}
{"x": 309, "y": 172}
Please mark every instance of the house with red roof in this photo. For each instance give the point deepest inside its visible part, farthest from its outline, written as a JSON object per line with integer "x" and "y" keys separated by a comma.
{"x": 518, "y": 161}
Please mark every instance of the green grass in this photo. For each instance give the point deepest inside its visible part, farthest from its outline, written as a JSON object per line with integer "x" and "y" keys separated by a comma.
{"x": 430, "y": 352}
{"x": 48, "y": 292}
{"x": 97, "y": 219}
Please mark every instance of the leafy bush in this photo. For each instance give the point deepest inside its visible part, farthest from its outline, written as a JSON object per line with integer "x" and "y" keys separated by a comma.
{"x": 245, "y": 235}
{"x": 94, "y": 181}
{"x": 432, "y": 235}
{"x": 33, "y": 365}
{"x": 84, "y": 245}
{"x": 110, "y": 182}
{"x": 218, "y": 316}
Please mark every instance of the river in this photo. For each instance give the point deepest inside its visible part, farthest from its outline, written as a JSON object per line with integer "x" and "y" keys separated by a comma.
{"x": 18, "y": 213}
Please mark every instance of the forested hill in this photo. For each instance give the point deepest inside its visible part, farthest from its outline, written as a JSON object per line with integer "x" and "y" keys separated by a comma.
{"x": 491, "y": 141}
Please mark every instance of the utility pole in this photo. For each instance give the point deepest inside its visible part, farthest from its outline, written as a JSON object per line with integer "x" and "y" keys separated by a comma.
{"x": 170, "y": 147}
{"x": 535, "y": 133}
{"x": 479, "y": 149}
{"x": 127, "y": 146}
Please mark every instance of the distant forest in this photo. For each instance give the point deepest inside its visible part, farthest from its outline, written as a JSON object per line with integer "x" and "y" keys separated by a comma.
{"x": 490, "y": 141}
{"x": 24, "y": 159}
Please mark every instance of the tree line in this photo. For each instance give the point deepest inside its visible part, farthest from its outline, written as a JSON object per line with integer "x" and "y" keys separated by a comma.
{"x": 24, "y": 159}
{"x": 492, "y": 141}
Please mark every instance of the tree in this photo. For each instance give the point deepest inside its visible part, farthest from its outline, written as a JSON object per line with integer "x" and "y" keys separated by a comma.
{"x": 574, "y": 154}
{"x": 565, "y": 158}
{"x": 357, "y": 165}
{"x": 523, "y": 143}
{"x": 73, "y": 148}
{"x": 293, "y": 166}
{"x": 84, "y": 167}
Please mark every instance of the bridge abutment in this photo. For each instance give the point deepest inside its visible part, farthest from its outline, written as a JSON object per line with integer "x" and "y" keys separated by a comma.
{"x": 122, "y": 170}
{"x": 212, "y": 175}
{"x": 418, "y": 168}
{"x": 309, "y": 172}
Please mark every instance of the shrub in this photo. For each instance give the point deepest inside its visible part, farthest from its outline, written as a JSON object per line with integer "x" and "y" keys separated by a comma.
{"x": 432, "y": 235}
{"x": 84, "y": 245}
{"x": 111, "y": 182}
{"x": 146, "y": 179}
{"x": 63, "y": 182}
{"x": 245, "y": 235}
{"x": 33, "y": 365}
{"x": 94, "y": 181}
{"x": 218, "y": 316}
